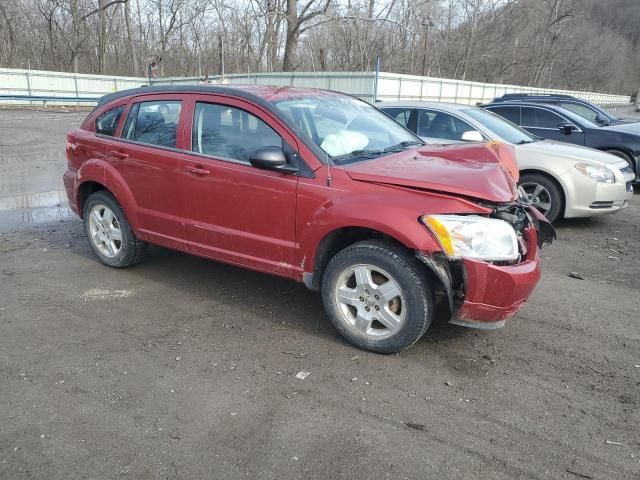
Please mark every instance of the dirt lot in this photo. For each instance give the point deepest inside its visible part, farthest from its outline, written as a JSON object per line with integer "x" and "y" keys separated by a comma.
{"x": 185, "y": 368}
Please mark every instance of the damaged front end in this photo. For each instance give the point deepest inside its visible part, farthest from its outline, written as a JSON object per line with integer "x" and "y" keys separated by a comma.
{"x": 483, "y": 293}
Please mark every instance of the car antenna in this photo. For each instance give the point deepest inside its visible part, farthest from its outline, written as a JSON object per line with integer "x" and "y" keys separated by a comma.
{"x": 329, "y": 179}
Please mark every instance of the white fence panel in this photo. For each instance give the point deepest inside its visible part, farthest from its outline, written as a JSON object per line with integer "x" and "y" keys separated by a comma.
{"x": 39, "y": 83}
{"x": 391, "y": 86}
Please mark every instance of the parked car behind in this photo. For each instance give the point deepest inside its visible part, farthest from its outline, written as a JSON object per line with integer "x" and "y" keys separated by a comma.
{"x": 583, "y": 108}
{"x": 556, "y": 123}
{"x": 315, "y": 186}
{"x": 561, "y": 180}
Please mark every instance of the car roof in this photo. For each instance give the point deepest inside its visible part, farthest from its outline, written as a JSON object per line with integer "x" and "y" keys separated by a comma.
{"x": 257, "y": 93}
{"x": 423, "y": 104}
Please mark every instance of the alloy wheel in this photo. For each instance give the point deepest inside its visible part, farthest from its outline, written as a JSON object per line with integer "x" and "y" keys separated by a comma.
{"x": 539, "y": 196}
{"x": 105, "y": 231}
{"x": 370, "y": 301}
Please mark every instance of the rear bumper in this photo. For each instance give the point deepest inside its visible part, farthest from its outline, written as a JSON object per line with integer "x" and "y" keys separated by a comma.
{"x": 70, "y": 179}
{"x": 495, "y": 293}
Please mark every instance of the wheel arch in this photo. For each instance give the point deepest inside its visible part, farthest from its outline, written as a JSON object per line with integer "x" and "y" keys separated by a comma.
{"x": 96, "y": 175}
{"x": 628, "y": 156}
{"x": 552, "y": 178}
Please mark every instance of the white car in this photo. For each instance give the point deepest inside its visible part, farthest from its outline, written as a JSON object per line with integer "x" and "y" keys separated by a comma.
{"x": 560, "y": 179}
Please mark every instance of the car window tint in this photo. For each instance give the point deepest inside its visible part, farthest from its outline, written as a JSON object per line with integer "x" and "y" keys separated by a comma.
{"x": 441, "y": 125}
{"x": 228, "y": 132}
{"x": 581, "y": 110}
{"x": 155, "y": 123}
{"x": 540, "y": 118}
{"x": 510, "y": 113}
{"x": 107, "y": 123}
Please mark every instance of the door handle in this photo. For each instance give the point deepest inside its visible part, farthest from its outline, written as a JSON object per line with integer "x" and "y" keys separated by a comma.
{"x": 117, "y": 154}
{"x": 197, "y": 170}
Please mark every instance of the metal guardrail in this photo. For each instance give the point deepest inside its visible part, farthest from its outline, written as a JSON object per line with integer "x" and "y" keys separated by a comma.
{"x": 48, "y": 98}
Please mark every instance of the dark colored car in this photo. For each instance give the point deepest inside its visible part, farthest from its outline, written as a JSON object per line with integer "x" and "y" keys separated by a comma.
{"x": 314, "y": 186}
{"x": 583, "y": 108}
{"x": 556, "y": 123}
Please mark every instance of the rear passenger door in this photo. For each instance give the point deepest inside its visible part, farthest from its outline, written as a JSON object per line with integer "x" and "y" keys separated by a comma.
{"x": 235, "y": 212}
{"x": 147, "y": 157}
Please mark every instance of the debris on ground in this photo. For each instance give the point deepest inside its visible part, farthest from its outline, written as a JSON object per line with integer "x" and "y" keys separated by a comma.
{"x": 302, "y": 374}
{"x": 581, "y": 475}
{"x": 416, "y": 426}
{"x": 448, "y": 384}
{"x": 576, "y": 275}
{"x": 611, "y": 442}
{"x": 297, "y": 354}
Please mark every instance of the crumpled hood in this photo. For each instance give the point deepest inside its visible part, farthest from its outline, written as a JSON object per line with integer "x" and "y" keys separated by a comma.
{"x": 468, "y": 170}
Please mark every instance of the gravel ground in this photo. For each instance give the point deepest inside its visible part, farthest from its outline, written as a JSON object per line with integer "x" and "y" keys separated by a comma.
{"x": 184, "y": 368}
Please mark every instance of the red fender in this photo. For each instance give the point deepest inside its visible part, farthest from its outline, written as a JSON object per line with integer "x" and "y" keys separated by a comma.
{"x": 102, "y": 172}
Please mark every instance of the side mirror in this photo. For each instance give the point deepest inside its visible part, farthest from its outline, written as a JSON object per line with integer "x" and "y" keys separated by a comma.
{"x": 271, "y": 158}
{"x": 565, "y": 128}
{"x": 602, "y": 120}
{"x": 472, "y": 136}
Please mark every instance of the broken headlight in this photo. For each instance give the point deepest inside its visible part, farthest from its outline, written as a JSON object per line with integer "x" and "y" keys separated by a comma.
{"x": 474, "y": 237}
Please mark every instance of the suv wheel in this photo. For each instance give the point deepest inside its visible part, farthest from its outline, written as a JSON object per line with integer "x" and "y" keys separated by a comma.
{"x": 377, "y": 296}
{"x": 543, "y": 194}
{"x": 109, "y": 233}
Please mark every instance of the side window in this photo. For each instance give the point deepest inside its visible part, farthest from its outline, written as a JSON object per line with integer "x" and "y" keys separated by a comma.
{"x": 155, "y": 123}
{"x": 400, "y": 115}
{"x": 584, "y": 112}
{"x": 228, "y": 132}
{"x": 107, "y": 123}
{"x": 510, "y": 113}
{"x": 540, "y": 118}
{"x": 434, "y": 124}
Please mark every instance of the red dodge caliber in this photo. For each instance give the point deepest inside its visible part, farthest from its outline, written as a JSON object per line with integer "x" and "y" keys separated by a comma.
{"x": 315, "y": 186}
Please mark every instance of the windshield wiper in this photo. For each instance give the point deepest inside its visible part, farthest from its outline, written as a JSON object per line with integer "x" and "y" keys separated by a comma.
{"x": 401, "y": 146}
{"x": 358, "y": 153}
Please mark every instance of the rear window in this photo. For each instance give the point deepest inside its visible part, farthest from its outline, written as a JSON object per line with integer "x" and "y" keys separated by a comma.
{"x": 155, "y": 123}
{"x": 107, "y": 123}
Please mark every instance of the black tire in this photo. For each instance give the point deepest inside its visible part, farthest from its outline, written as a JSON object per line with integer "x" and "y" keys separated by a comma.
{"x": 131, "y": 250}
{"x": 408, "y": 274}
{"x": 553, "y": 191}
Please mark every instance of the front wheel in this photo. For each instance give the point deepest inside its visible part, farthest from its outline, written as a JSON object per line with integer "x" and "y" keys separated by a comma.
{"x": 377, "y": 296}
{"x": 543, "y": 194}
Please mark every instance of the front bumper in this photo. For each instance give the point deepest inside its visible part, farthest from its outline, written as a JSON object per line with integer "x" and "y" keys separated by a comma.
{"x": 586, "y": 198}
{"x": 494, "y": 293}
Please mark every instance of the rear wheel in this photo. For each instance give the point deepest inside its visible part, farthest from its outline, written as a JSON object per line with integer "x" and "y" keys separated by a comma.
{"x": 377, "y": 296}
{"x": 109, "y": 233}
{"x": 544, "y": 194}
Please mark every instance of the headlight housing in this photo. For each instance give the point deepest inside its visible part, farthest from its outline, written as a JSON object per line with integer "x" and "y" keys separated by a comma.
{"x": 475, "y": 237}
{"x": 597, "y": 173}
